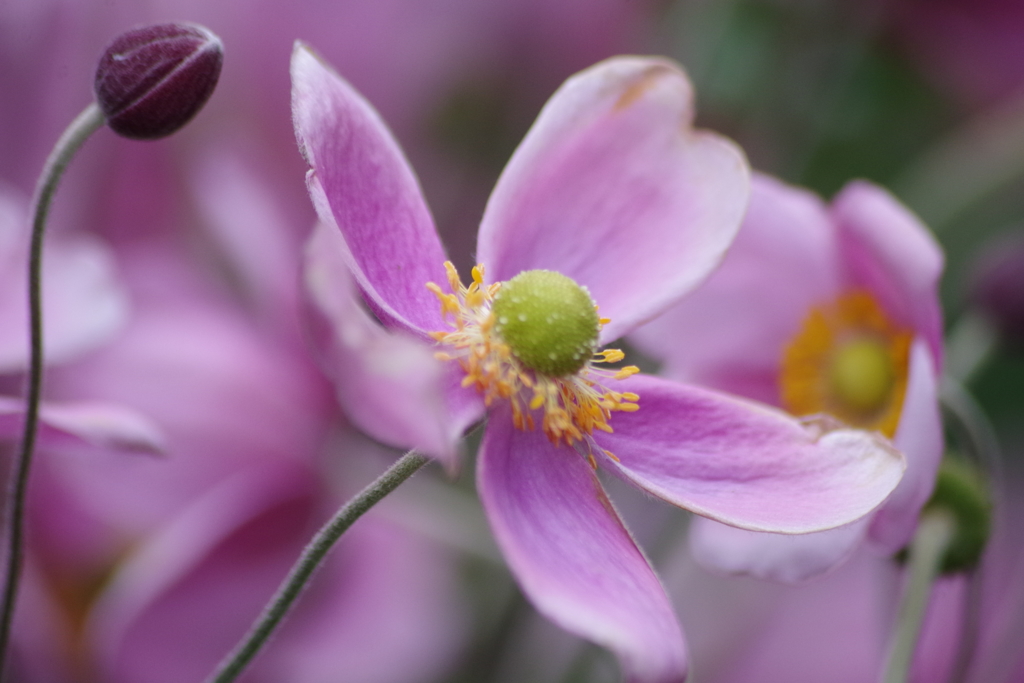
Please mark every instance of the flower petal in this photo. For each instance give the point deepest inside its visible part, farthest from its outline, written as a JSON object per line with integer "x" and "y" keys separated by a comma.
{"x": 747, "y": 464}
{"x": 84, "y": 305}
{"x": 389, "y": 384}
{"x": 789, "y": 558}
{"x": 361, "y": 182}
{"x": 892, "y": 254}
{"x": 570, "y": 552}
{"x": 613, "y": 188}
{"x": 919, "y": 436}
{"x": 91, "y": 423}
{"x": 720, "y": 335}
{"x": 381, "y": 609}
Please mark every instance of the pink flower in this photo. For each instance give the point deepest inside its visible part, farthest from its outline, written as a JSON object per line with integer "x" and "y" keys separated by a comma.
{"x": 84, "y": 306}
{"x": 611, "y": 190}
{"x": 152, "y": 568}
{"x": 838, "y": 628}
{"x": 819, "y": 309}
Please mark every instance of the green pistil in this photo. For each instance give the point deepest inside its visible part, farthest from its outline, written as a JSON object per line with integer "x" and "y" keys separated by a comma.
{"x": 862, "y": 375}
{"x": 549, "y": 322}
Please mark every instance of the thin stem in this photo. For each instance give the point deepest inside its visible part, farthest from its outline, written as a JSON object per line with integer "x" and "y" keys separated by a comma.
{"x": 312, "y": 556}
{"x": 934, "y": 532}
{"x": 69, "y": 143}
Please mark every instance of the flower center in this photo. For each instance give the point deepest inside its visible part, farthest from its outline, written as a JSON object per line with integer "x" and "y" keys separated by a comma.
{"x": 848, "y": 360}
{"x": 862, "y": 374}
{"x": 531, "y": 341}
{"x": 548, "y": 321}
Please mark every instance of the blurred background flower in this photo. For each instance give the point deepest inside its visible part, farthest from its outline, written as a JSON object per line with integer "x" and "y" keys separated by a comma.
{"x": 925, "y": 98}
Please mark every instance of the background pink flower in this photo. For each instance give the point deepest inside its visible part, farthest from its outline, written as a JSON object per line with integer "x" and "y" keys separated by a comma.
{"x": 747, "y": 330}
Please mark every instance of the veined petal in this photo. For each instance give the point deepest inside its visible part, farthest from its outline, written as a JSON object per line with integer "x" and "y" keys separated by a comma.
{"x": 90, "y": 423}
{"x": 891, "y": 253}
{"x": 389, "y": 384}
{"x": 570, "y": 552}
{"x": 918, "y": 436}
{"x": 723, "y": 337}
{"x": 789, "y": 558}
{"x": 746, "y": 464}
{"x": 360, "y": 182}
{"x": 613, "y": 188}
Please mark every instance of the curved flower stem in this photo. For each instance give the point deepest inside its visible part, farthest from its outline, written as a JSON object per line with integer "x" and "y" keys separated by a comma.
{"x": 69, "y": 143}
{"x": 934, "y": 532}
{"x": 312, "y": 556}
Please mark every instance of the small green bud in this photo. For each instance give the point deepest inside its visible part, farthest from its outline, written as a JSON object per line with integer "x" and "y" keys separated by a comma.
{"x": 549, "y": 321}
{"x": 961, "y": 491}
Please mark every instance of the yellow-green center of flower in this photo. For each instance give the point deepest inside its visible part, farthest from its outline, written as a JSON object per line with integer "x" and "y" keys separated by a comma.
{"x": 531, "y": 342}
{"x": 548, "y": 321}
{"x": 862, "y": 374}
{"x": 850, "y": 361}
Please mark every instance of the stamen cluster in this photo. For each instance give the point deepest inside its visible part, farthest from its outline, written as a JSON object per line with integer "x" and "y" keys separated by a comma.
{"x": 572, "y": 406}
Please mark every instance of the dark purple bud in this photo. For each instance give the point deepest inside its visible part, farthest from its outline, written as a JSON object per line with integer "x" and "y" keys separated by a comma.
{"x": 153, "y": 79}
{"x": 998, "y": 288}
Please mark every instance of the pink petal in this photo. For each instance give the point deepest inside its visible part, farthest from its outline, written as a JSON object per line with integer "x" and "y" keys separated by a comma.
{"x": 891, "y": 253}
{"x": 381, "y": 609}
{"x": 920, "y": 438}
{"x": 747, "y": 464}
{"x": 389, "y": 384}
{"x": 570, "y": 552}
{"x": 361, "y": 183}
{"x": 724, "y": 337}
{"x": 613, "y": 188}
{"x": 789, "y": 558}
{"x": 89, "y": 423}
{"x": 83, "y": 303}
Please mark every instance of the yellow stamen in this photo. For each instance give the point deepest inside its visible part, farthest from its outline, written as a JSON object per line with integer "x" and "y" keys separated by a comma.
{"x": 571, "y": 407}
{"x": 849, "y": 360}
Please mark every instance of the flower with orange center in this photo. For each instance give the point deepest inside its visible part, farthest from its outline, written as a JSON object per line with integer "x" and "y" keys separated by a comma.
{"x": 612, "y": 199}
{"x": 832, "y": 313}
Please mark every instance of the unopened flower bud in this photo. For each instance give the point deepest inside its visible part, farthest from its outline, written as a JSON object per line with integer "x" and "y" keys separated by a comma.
{"x": 998, "y": 289}
{"x": 152, "y": 80}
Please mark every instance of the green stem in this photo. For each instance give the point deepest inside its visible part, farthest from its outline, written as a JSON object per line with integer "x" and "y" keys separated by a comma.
{"x": 311, "y": 558}
{"x": 935, "y": 530}
{"x": 68, "y": 144}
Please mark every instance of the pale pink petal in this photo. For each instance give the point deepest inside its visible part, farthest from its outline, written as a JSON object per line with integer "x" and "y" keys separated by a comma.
{"x": 380, "y": 610}
{"x": 389, "y": 384}
{"x": 730, "y": 333}
{"x": 83, "y": 303}
{"x": 888, "y": 251}
{"x": 920, "y": 438}
{"x": 747, "y": 464}
{"x": 789, "y": 558}
{"x": 570, "y": 553}
{"x": 89, "y": 423}
{"x": 250, "y": 229}
{"x": 614, "y": 188}
{"x": 361, "y": 183}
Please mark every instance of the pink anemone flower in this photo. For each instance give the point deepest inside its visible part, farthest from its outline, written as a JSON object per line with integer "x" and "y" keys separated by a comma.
{"x": 819, "y": 309}
{"x": 611, "y": 198}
